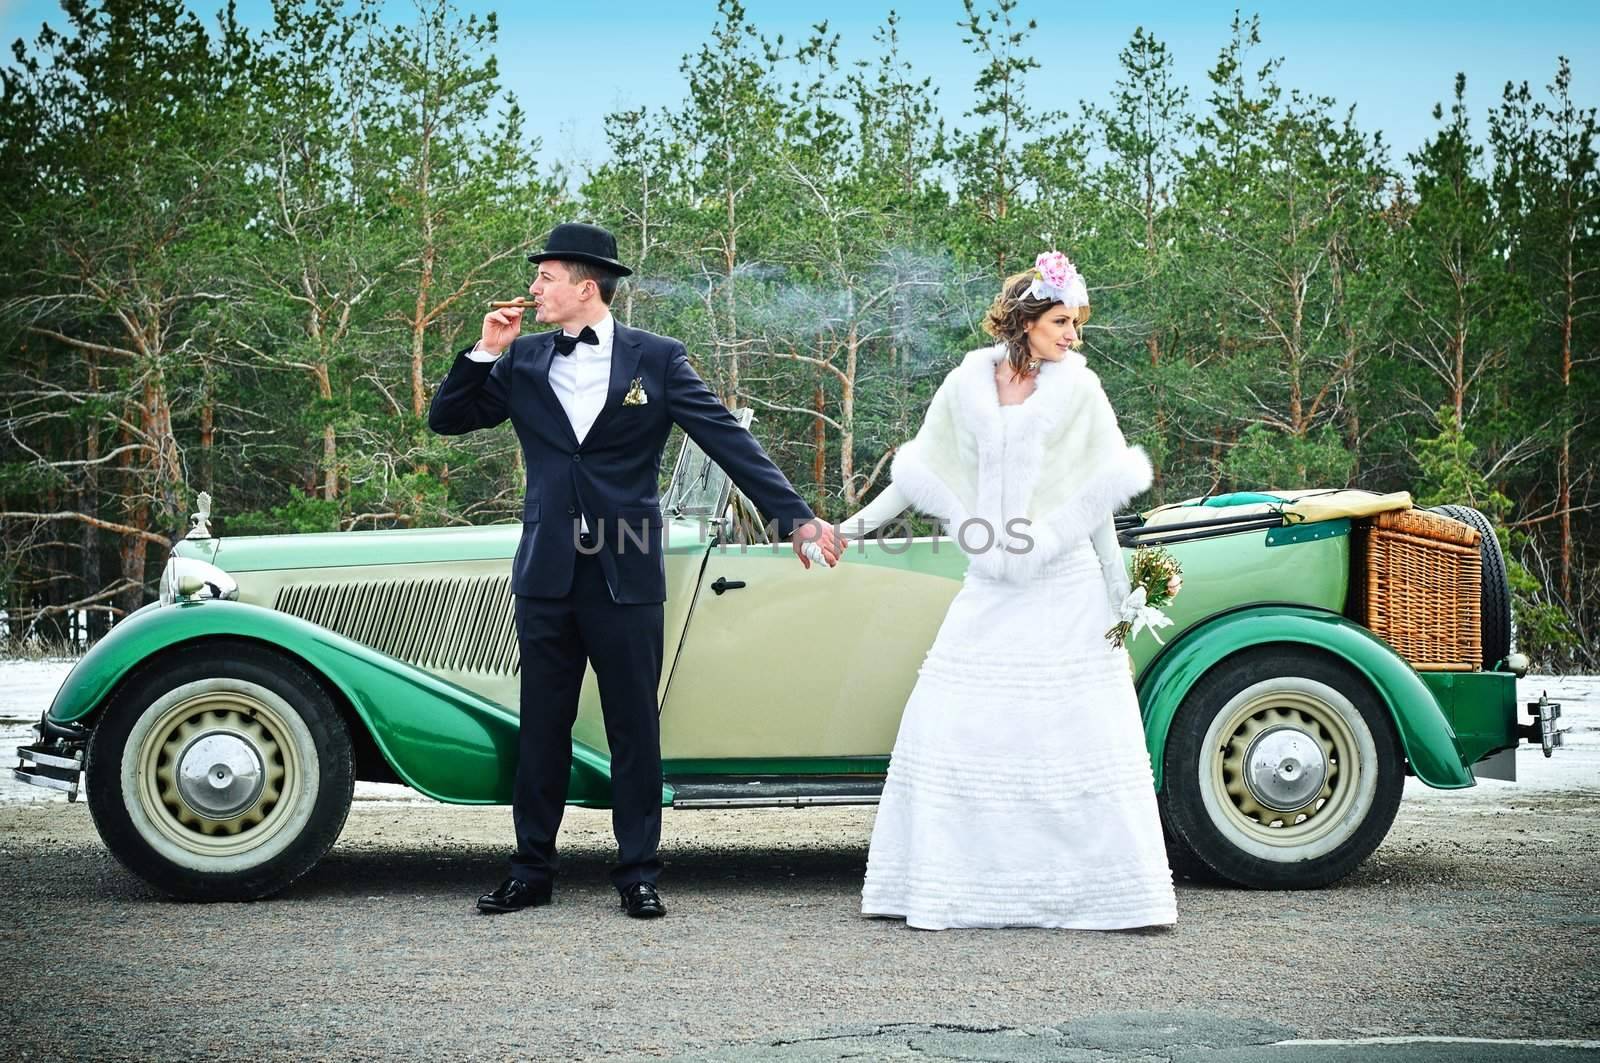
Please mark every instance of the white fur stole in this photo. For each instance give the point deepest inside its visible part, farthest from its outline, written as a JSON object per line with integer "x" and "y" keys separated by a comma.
{"x": 1065, "y": 456}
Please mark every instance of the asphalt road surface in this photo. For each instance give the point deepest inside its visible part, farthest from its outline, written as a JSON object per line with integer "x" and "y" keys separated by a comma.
{"x": 1472, "y": 934}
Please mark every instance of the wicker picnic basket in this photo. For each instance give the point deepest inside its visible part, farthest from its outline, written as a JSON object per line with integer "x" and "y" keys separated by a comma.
{"x": 1415, "y": 582}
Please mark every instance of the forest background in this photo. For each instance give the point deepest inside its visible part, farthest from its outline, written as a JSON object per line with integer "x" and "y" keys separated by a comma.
{"x": 238, "y": 260}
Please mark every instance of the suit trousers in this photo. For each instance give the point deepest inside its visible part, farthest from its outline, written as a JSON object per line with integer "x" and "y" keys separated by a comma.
{"x": 624, "y": 643}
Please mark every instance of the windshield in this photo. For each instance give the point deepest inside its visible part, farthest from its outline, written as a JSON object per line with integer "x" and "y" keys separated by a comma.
{"x": 699, "y": 487}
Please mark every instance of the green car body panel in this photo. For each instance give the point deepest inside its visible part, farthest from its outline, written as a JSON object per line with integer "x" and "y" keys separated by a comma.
{"x": 1481, "y": 708}
{"x": 441, "y": 740}
{"x": 1425, "y": 731}
{"x": 1250, "y": 568}
{"x": 400, "y": 546}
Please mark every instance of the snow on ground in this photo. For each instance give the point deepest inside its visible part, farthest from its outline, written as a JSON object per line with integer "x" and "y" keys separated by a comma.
{"x": 26, "y": 688}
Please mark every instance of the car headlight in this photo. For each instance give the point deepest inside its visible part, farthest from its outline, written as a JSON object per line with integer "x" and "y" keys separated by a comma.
{"x": 188, "y": 578}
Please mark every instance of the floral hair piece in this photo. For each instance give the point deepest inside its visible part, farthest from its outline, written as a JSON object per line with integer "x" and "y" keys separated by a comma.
{"x": 1058, "y": 280}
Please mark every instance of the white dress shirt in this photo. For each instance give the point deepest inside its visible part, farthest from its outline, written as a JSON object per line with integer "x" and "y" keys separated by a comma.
{"x": 580, "y": 379}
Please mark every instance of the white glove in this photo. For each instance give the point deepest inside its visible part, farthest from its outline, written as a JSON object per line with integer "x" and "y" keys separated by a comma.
{"x": 1113, "y": 568}
{"x": 890, "y": 503}
{"x": 1118, "y": 588}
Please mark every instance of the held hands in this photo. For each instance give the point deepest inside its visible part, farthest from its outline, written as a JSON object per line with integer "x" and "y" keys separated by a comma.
{"x": 816, "y": 541}
{"x": 500, "y": 327}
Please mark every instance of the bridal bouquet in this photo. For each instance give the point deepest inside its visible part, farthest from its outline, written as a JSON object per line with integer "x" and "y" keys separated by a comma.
{"x": 1157, "y": 577}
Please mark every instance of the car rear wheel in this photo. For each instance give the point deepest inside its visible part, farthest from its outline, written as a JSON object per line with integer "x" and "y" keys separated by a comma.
{"x": 1281, "y": 770}
{"x": 221, "y": 772}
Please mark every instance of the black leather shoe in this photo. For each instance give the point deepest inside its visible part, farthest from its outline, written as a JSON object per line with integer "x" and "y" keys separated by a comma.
{"x": 641, "y": 901}
{"x": 515, "y": 895}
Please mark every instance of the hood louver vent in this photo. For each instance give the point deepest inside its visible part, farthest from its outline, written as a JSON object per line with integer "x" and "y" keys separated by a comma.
{"x": 461, "y": 625}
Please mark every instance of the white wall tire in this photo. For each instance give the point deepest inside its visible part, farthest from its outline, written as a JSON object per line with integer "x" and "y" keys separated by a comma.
{"x": 190, "y": 834}
{"x": 1297, "y": 831}
{"x": 1281, "y": 770}
{"x": 221, "y": 773}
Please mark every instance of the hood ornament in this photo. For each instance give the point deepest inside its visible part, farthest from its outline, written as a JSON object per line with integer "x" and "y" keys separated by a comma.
{"x": 201, "y": 519}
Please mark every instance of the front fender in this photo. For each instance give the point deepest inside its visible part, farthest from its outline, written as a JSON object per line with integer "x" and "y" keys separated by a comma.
{"x": 1425, "y": 733}
{"x": 441, "y": 739}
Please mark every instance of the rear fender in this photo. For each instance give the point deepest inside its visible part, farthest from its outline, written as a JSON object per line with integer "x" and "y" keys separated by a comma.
{"x": 1425, "y": 733}
{"x": 441, "y": 739}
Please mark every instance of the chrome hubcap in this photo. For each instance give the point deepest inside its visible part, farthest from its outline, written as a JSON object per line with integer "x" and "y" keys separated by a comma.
{"x": 217, "y": 772}
{"x": 1288, "y": 769}
{"x": 1284, "y": 768}
{"x": 220, "y": 775}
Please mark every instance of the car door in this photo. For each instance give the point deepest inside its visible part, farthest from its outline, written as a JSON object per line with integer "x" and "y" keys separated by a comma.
{"x": 783, "y": 669}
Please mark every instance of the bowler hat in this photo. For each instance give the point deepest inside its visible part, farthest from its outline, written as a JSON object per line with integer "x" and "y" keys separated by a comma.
{"x": 576, "y": 242}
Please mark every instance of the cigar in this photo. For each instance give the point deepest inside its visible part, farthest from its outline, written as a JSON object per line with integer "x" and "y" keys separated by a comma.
{"x": 518, "y": 303}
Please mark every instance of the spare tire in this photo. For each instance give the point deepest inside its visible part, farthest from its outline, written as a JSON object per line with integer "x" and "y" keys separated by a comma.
{"x": 1494, "y": 602}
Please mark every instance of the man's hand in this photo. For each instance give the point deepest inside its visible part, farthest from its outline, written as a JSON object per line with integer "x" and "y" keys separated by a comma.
{"x": 820, "y": 532}
{"x": 500, "y": 327}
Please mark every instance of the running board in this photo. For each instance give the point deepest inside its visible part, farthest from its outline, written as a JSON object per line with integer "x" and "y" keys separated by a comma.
{"x": 774, "y": 791}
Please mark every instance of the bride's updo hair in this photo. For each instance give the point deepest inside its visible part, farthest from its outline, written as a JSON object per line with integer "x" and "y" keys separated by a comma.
{"x": 1010, "y": 312}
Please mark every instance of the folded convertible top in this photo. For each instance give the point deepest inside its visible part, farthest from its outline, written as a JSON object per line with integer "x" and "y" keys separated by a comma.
{"x": 1296, "y": 507}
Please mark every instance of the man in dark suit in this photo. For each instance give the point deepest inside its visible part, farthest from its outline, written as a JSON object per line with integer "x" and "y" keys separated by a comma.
{"x": 592, "y": 403}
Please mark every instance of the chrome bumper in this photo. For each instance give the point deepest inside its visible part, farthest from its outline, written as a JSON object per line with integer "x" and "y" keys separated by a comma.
{"x": 55, "y": 759}
{"x": 1543, "y": 729}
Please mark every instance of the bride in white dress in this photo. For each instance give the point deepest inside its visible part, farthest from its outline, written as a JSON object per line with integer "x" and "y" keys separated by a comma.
{"x": 1020, "y": 791}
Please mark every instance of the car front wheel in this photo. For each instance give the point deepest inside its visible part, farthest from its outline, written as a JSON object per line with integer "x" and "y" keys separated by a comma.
{"x": 221, "y": 771}
{"x": 1281, "y": 770}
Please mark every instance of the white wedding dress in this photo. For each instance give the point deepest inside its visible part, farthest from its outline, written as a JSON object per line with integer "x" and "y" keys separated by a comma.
{"x": 1020, "y": 792}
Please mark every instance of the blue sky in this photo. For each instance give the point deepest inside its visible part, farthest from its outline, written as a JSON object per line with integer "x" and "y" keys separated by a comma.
{"x": 1392, "y": 60}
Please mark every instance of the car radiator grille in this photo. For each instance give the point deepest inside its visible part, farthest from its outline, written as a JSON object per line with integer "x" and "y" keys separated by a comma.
{"x": 463, "y": 625}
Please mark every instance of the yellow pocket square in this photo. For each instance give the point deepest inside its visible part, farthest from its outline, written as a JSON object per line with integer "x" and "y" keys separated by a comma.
{"x": 636, "y": 395}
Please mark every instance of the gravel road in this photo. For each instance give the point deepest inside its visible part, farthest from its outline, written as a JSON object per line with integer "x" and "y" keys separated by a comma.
{"x": 1478, "y": 917}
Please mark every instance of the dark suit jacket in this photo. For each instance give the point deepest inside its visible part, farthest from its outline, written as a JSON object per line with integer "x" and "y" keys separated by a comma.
{"x": 611, "y": 476}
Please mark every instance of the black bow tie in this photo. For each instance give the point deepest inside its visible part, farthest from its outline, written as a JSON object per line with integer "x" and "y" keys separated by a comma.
{"x": 565, "y": 343}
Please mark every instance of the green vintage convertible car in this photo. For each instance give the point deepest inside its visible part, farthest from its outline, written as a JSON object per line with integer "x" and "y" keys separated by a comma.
{"x": 1309, "y": 669}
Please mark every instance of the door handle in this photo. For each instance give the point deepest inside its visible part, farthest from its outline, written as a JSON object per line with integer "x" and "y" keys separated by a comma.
{"x": 726, "y": 585}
